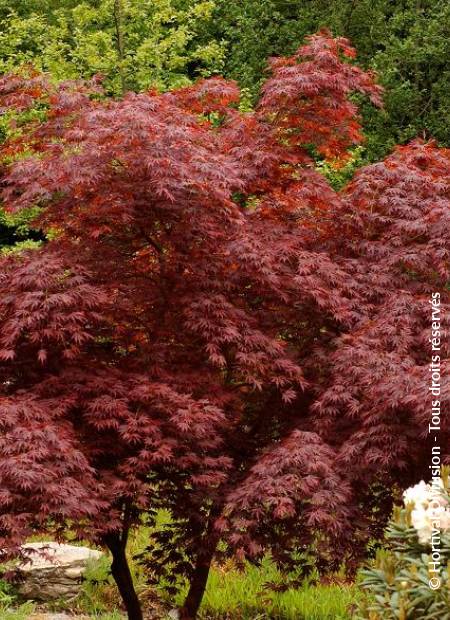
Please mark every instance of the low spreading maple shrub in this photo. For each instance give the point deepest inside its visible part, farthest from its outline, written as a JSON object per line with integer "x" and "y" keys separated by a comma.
{"x": 210, "y": 328}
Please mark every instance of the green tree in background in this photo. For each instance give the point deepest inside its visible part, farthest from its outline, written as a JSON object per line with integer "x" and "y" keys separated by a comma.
{"x": 166, "y": 43}
{"x": 406, "y": 41}
{"x": 414, "y": 67}
{"x": 15, "y": 232}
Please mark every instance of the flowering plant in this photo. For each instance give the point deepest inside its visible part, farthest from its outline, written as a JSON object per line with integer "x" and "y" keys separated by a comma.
{"x": 410, "y": 578}
{"x": 430, "y": 508}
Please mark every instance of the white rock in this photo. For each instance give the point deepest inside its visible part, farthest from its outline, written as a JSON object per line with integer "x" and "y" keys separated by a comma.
{"x": 54, "y": 571}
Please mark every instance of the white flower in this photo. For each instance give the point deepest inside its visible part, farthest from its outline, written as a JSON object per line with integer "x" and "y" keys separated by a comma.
{"x": 440, "y": 516}
{"x": 422, "y": 523}
{"x": 418, "y": 495}
{"x": 445, "y": 521}
{"x": 430, "y": 509}
{"x": 424, "y": 536}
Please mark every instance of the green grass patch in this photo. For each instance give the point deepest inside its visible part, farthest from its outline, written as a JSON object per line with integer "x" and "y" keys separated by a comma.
{"x": 231, "y": 594}
{"x": 18, "y": 613}
{"x": 234, "y": 594}
{"x": 243, "y": 595}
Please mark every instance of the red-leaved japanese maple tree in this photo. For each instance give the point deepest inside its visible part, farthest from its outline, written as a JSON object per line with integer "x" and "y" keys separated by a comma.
{"x": 210, "y": 328}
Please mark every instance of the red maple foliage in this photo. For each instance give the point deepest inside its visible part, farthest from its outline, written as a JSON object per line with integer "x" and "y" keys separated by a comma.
{"x": 211, "y": 329}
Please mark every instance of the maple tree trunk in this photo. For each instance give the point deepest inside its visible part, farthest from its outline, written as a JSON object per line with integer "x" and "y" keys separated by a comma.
{"x": 122, "y": 576}
{"x": 197, "y": 587}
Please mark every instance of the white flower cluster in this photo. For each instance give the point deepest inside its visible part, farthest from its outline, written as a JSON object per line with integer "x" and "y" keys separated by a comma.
{"x": 431, "y": 508}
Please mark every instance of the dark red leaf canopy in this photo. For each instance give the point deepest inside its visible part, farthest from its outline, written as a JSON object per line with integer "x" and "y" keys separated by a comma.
{"x": 212, "y": 327}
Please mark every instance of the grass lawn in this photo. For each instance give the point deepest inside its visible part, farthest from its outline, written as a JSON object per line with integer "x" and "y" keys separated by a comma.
{"x": 236, "y": 594}
{"x": 231, "y": 594}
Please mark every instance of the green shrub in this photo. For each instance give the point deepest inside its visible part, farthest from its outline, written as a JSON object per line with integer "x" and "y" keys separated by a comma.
{"x": 8, "y": 600}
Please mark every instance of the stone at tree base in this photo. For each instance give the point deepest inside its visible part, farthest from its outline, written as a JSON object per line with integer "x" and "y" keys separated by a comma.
{"x": 54, "y": 570}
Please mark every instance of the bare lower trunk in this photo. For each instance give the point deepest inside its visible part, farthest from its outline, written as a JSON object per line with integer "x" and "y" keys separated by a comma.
{"x": 122, "y": 576}
{"x": 197, "y": 586}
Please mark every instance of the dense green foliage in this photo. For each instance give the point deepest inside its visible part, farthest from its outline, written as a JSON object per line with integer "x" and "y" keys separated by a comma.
{"x": 15, "y": 232}
{"x": 165, "y": 42}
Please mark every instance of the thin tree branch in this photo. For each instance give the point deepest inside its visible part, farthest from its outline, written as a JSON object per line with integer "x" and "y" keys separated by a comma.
{"x": 118, "y": 21}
